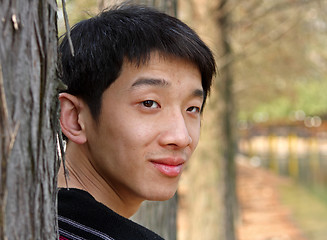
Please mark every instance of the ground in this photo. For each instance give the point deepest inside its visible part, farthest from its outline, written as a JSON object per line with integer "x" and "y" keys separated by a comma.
{"x": 262, "y": 214}
{"x": 272, "y": 207}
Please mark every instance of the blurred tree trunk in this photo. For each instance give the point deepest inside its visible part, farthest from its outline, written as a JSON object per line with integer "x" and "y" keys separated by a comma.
{"x": 160, "y": 217}
{"x": 167, "y": 6}
{"x": 28, "y": 56}
{"x": 101, "y": 5}
{"x": 227, "y": 122}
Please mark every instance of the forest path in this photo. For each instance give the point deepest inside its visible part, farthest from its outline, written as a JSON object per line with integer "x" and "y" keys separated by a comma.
{"x": 262, "y": 215}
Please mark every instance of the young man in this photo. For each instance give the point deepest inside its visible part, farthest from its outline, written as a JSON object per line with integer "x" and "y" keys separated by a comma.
{"x": 136, "y": 89}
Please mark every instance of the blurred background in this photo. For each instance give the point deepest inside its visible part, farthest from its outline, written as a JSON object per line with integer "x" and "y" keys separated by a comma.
{"x": 260, "y": 171}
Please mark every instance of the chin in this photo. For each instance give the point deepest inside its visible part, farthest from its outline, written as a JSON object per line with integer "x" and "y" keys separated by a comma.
{"x": 162, "y": 195}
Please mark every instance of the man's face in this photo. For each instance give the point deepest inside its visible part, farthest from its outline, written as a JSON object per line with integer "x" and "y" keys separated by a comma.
{"x": 148, "y": 127}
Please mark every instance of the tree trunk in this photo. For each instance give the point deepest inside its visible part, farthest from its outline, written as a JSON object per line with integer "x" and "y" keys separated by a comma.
{"x": 160, "y": 217}
{"x": 226, "y": 118}
{"x": 167, "y": 6}
{"x": 28, "y": 56}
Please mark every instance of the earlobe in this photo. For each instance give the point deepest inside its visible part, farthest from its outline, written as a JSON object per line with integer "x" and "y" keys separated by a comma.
{"x": 70, "y": 122}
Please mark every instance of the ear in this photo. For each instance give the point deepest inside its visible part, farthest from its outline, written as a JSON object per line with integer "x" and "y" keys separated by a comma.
{"x": 70, "y": 118}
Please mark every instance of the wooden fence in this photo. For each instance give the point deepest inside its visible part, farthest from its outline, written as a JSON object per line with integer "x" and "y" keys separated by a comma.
{"x": 290, "y": 149}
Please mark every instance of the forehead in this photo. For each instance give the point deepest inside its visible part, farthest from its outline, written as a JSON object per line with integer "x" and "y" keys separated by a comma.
{"x": 159, "y": 70}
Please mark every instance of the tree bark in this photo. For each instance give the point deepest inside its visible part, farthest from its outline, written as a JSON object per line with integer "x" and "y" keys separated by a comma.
{"x": 28, "y": 57}
{"x": 227, "y": 121}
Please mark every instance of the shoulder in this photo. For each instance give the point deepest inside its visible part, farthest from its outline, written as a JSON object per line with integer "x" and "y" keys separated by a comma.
{"x": 80, "y": 216}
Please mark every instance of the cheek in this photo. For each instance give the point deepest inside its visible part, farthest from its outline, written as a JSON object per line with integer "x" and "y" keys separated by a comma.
{"x": 137, "y": 132}
{"x": 196, "y": 138}
{"x": 194, "y": 132}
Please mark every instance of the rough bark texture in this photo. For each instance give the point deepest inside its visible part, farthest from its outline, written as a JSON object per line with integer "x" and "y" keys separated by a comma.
{"x": 28, "y": 56}
{"x": 227, "y": 123}
{"x": 160, "y": 217}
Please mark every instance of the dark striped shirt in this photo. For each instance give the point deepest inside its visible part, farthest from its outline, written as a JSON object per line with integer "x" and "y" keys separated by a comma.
{"x": 81, "y": 217}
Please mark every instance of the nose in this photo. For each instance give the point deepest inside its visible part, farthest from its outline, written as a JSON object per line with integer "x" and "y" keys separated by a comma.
{"x": 175, "y": 132}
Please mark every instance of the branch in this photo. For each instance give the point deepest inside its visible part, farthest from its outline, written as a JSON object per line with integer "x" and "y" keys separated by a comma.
{"x": 265, "y": 42}
{"x": 226, "y": 8}
{"x": 67, "y": 27}
{"x": 252, "y": 17}
{"x": 60, "y": 141}
{"x": 100, "y": 5}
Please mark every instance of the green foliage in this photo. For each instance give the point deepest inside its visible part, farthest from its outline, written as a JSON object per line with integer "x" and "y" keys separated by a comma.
{"x": 281, "y": 74}
{"x": 278, "y": 108}
{"x": 309, "y": 96}
{"x": 312, "y": 97}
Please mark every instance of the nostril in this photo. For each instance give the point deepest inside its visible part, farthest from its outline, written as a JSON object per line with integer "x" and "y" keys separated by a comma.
{"x": 172, "y": 144}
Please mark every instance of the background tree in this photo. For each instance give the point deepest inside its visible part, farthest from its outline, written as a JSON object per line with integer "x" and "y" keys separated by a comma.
{"x": 226, "y": 118}
{"x": 201, "y": 185}
{"x": 284, "y": 39}
{"x": 262, "y": 50}
{"x": 28, "y": 57}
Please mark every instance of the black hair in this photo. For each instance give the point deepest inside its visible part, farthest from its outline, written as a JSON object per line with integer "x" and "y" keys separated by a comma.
{"x": 129, "y": 32}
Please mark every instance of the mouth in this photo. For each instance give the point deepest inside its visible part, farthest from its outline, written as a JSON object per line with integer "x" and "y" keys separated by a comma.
{"x": 170, "y": 167}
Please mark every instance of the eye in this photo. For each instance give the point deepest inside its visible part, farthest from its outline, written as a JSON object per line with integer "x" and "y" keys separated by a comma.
{"x": 194, "y": 109}
{"x": 150, "y": 104}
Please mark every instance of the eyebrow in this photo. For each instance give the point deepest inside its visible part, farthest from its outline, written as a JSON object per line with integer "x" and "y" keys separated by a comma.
{"x": 163, "y": 83}
{"x": 198, "y": 93}
{"x": 151, "y": 82}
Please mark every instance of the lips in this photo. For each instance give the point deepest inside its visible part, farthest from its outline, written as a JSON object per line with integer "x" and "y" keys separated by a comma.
{"x": 170, "y": 167}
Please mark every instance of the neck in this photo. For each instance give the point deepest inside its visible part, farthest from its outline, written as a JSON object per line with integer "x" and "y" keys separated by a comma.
{"x": 83, "y": 175}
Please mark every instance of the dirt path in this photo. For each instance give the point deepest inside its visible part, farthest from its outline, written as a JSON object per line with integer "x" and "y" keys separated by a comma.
{"x": 263, "y": 217}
